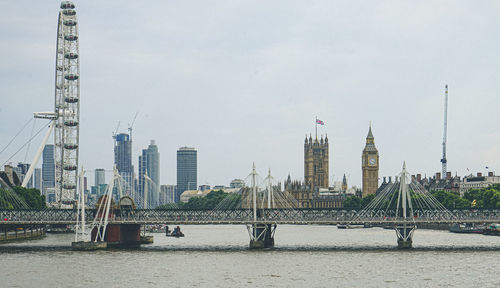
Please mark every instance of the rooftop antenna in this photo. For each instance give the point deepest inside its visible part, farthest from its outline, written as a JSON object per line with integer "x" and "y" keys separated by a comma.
{"x": 443, "y": 160}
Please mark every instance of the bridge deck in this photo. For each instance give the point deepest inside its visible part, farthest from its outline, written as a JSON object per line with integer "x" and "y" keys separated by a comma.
{"x": 245, "y": 216}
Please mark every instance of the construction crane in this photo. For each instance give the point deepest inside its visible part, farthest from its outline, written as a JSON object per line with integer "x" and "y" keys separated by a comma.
{"x": 132, "y": 125}
{"x": 443, "y": 160}
{"x": 116, "y": 130}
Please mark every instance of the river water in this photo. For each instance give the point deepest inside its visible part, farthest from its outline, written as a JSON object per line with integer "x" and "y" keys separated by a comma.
{"x": 218, "y": 256}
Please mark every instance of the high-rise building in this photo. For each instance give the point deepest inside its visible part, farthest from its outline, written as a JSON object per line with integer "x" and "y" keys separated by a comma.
{"x": 37, "y": 179}
{"x": 48, "y": 170}
{"x": 21, "y": 170}
{"x": 186, "y": 170}
{"x": 370, "y": 165}
{"x": 316, "y": 163}
{"x": 149, "y": 163}
{"x": 123, "y": 161}
{"x": 167, "y": 194}
{"x": 99, "y": 177}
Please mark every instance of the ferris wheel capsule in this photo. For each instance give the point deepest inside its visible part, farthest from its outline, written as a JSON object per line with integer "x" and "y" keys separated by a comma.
{"x": 69, "y": 186}
{"x": 71, "y": 76}
{"x": 70, "y": 37}
{"x": 71, "y": 123}
{"x": 69, "y": 22}
{"x": 70, "y": 55}
{"x": 71, "y": 99}
{"x": 69, "y": 12}
{"x": 67, "y": 5}
{"x": 69, "y": 167}
{"x": 70, "y": 146}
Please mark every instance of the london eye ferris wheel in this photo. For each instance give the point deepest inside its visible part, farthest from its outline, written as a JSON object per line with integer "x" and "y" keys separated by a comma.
{"x": 67, "y": 105}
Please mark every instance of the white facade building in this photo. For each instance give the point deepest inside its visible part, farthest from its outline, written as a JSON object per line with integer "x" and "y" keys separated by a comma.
{"x": 478, "y": 182}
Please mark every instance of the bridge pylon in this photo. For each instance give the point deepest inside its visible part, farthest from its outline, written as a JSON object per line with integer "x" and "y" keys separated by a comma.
{"x": 405, "y": 235}
{"x": 261, "y": 235}
{"x": 404, "y": 210}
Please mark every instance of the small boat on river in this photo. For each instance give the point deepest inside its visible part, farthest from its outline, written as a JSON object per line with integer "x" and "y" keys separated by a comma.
{"x": 492, "y": 229}
{"x": 174, "y": 233}
{"x": 463, "y": 228}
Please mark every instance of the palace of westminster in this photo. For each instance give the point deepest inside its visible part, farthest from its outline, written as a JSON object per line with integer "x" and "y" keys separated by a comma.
{"x": 314, "y": 191}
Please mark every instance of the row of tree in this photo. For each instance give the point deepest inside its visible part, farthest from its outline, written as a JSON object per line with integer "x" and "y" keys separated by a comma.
{"x": 357, "y": 203}
{"x": 486, "y": 198}
{"x": 21, "y": 198}
{"x": 214, "y": 198}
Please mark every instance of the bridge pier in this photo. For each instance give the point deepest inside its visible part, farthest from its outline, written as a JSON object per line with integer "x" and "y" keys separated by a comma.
{"x": 261, "y": 235}
{"x": 121, "y": 235}
{"x": 404, "y": 232}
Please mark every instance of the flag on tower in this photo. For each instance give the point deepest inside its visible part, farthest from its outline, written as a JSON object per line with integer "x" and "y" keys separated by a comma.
{"x": 320, "y": 122}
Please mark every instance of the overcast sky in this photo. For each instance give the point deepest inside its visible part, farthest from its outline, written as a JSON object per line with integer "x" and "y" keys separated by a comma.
{"x": 242, "y": 82}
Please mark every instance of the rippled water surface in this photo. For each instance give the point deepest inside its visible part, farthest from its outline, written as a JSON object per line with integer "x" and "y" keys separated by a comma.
{"x": 218, "y": 256}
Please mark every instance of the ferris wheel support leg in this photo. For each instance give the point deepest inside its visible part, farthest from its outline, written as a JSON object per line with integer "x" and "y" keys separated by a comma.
{"x": 37, "y": 155}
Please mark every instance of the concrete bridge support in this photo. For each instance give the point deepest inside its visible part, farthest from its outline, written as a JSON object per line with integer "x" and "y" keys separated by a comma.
{"x": 121, "y": 235}
{"x": 404, "y": 232}
{"x": 261, "y": 235}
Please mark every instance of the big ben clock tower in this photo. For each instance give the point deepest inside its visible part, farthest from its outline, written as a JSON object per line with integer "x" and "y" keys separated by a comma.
{"x": 370, "y": 165}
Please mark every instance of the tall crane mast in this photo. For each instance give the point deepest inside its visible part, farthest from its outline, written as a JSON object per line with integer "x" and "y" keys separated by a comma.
{"x": 443, "y": 160}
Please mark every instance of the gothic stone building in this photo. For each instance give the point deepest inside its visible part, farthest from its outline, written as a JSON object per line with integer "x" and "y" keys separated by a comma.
{"x": 316, "y": 168}
{"x": 316, "y": 162}
{"x": 370, "y": 165}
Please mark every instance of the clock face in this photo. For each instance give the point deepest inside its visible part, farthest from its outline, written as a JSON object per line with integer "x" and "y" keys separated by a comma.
{"x": 373, "y": 161}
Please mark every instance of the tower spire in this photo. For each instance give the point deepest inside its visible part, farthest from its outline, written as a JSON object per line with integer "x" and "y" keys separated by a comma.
{"x": 370, "y": 134}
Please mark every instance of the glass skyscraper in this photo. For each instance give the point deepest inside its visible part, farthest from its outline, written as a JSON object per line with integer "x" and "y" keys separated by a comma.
{"x": 167, "y": 194}
{"x": 37, "y": 176}
{"x": 149, "y": 162}
{"x": 123, "y": 161}
{"x": 187, "y": 168}
{"x": 48, "y": 170}
{"x": 99, "y": 180}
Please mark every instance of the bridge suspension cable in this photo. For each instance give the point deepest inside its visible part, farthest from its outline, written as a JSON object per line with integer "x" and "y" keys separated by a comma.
{"x": 15, "y": 136}
{"x": 403, "y": 199}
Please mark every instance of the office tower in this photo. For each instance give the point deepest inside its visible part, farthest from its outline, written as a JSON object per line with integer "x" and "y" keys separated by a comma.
{"x": 167, "y": 194}
{"x": 48, "y": 170}
{"x": 186, "y": 170}
{"x": 99, "y": 177}
{"x": 37, "y": 179}
{"x": 149, "y": 164}
{"x": 21, "y": 170}
{"x": 123, "y": 162}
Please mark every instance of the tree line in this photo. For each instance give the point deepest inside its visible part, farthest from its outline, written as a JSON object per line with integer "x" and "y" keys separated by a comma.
{"x": 213, "y": 198}
{"x": 21, "y": 198}
{"x": 485, "y": 198}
